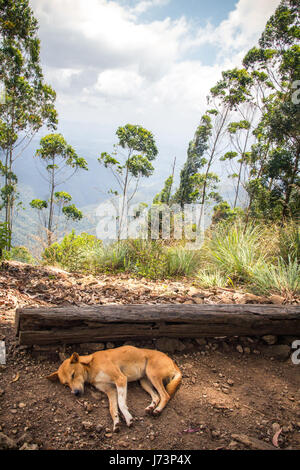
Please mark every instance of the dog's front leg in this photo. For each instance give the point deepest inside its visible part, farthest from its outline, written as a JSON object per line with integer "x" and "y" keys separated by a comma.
{"x": 121, "y": 384}
{"x": 111, "y": 393}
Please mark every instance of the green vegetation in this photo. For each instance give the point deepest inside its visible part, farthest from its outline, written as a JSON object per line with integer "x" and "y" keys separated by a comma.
{"x": 251, "y": 129}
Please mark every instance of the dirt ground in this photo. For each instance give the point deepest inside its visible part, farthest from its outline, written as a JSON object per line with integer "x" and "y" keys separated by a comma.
{"x": 224, "y": 395}
{"x": 229, "y": 399}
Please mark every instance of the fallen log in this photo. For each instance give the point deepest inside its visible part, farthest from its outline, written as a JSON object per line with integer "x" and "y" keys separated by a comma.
{"x": 122, "y": 322}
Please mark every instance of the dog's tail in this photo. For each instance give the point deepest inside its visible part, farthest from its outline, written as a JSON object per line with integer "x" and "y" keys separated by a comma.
{"x": 174, "y": 383}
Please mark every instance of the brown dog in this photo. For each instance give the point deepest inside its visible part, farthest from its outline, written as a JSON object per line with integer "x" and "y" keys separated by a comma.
{"x": 110, "y": 370}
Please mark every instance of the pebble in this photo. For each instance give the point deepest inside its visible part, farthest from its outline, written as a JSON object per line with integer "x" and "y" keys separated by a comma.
{"x": 240, "y": 349}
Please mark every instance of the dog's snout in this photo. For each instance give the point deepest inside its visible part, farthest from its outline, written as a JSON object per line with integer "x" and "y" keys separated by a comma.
{"x": 76, "y": 392}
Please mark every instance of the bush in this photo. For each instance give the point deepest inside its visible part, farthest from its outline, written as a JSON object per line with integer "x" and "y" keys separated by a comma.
{"x": 20, "y": 253}
{"x": 234, "y": 250}
{"x": 283, "y": 278}
{"x": 74, "y": 252}
{"x": 208, "y": 279}
{"x": 182, "y": 262}
{"x": 147, "y": 258}
{"x": 289, "y": 242}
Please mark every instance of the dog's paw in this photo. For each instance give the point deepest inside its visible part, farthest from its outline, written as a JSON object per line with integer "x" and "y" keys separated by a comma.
{"x": 156, "y": 412}
{"x": 116, "y": 427}
{"x": 149, "y": 410}
{"x": 129, "y": 422}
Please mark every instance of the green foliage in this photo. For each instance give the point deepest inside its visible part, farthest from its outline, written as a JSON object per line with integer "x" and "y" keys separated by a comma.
{"x": 146, "y": 258}
{"x": 71, "y": 212}
{"x": 74, "y": 252}
{"x": 235, "y": 250}
{"x": 182, "y": 262}
{"x": 38, "y": 204}
{"x": 20, "y": 253}
{"x": 29, "y": 101}
{"x": 289, "y": 242}
{"x": 283, "y": 277}
{"x": 207, "y": 279}
{"x": 223, "y": 212}
{"x": 54, "y": 147}
{"x": 4, "y": 236}
{"x": 164, "y": 196}
{"x": 195, "y": 160}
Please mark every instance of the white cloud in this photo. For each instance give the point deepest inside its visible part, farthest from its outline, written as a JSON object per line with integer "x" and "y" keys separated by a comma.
{"x": 145, "y": 5}
{"x": 110, "y": 68}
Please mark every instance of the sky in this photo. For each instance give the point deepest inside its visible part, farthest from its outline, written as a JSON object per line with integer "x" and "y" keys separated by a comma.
{"x": 146, "y": 62}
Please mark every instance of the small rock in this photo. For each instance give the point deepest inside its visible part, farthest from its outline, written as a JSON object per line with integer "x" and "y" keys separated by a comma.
{"x": 87, "y": 425}
{"x": 201, "y": 341}
{"x": 276, "y": 299}
{"x": 110, "y": 345}
{"x": 230, "y": 382}
{"x": 247, "y": 350}
{"x": 240, "y": 349}
{"x": 108, "y": 434}
{"x": 22, "y": 405}
{"x": 169, "y": 345}
{"x": 269, "y": 339}
{"x": 6, "y": 443}
{"x": 278, "y": 351}
{"x": 27, "y": 446}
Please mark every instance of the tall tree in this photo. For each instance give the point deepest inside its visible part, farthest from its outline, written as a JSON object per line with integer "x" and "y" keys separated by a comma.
{"x": 29, "y": 102}
{"x": 140, "y": 149}
{"x": 278, "y": 56}
{"x": 61, "y": 162}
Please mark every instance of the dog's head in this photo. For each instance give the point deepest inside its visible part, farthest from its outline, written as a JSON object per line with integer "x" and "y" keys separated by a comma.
{"x": 73, "y": 373}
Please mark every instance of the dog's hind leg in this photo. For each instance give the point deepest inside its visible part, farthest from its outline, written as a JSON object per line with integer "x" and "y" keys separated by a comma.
{"x": 155, "y": 398}
{"x": 157, "y": 382}
{"x": 111, "y": 393}
{"x": 121, "y": 384}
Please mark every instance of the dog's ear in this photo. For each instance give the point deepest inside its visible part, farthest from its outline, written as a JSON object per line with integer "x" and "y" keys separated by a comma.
{"x": 53, "y": 377}
{"x": 74, "y": 358}
{"x": 86, "y": 360}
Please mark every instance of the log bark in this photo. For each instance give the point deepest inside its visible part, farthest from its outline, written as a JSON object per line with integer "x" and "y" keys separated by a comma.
{"x": 123, "y": 322}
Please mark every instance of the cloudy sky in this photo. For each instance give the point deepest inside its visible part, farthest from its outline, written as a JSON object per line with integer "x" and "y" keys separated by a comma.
{"x": 147, "y": 62}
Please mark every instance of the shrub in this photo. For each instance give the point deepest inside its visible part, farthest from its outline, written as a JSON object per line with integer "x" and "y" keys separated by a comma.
{"x": 20, "y": 253}
{"x": 289, "y": 242}
{"x": 182, "y": 262}
{"x": 283, "y": 278}
{"x": 208, "y": 279}
{"x": 235, "y": 250}
{"x": 74, "y": 252}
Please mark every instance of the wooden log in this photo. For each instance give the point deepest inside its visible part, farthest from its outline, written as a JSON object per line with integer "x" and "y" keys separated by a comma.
{"x": 123, "y": 322}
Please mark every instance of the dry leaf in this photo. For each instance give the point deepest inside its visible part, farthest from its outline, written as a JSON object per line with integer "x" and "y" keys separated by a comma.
{"x": 17, "y": 376}
{"x": 275, "y": 438}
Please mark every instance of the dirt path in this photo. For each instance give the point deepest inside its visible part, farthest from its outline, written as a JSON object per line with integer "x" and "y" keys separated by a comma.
{"x": 233, "y": 390}
{"x": 224, "y": 395}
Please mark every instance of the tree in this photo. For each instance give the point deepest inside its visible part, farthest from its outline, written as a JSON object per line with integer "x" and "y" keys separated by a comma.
{"x": 129, "y": 168}
{"x": 61, "y": 162}
{"x": 278, "y": 56}
{"x": 200, "y": 187}
{"x": 29, "y": 102}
